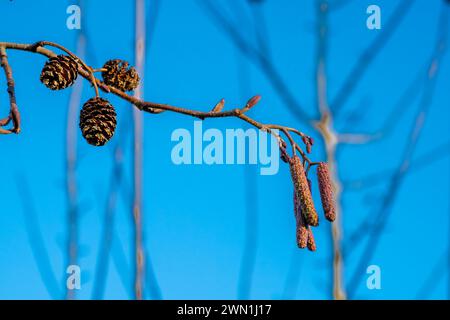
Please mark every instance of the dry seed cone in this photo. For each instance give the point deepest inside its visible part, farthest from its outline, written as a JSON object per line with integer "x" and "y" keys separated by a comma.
{"x": 120, "y": 75}
{"x": 59, "y": 72}
{"x": 97, "y": 121}
{"x": 301, "y": 228}
{"x": 326, "y": 191}
{"x": 302, "y": 191}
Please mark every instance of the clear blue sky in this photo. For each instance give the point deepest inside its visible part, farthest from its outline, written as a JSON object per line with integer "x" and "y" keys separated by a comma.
{"x": 195, "y": 215}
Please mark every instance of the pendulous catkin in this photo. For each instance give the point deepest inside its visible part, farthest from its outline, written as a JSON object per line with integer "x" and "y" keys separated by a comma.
{"x": 326, "y": 191}
{"x": 311, "y": 243}
{"x": 303, "y": 192}
{"x": 301, "y": 227}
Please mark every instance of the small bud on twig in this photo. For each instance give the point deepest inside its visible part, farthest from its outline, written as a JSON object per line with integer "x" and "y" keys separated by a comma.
{"x": 251, "y": 103}
{"x": 326, "y": 191}
{"x": 219, "y": 106}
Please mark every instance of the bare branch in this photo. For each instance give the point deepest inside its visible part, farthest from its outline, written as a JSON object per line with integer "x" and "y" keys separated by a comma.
{"x": 146, "y": 106}
{"x": 14, "y": 114}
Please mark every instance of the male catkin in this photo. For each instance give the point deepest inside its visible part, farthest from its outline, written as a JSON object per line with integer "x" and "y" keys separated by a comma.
{"x": 303, "y": 192}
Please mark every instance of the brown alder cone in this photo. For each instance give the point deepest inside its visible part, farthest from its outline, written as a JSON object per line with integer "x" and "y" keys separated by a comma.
{"x": 303, "y": 192}
{"x": 301, "y": 227}
{"x": 326, "y": 191}
{"x": 97, "y": 121}
{"x": 59, "y": 72}
{"x": 120, "y": 75}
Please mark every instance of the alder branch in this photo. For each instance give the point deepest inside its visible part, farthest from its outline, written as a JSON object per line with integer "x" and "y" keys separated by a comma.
{"x": 151, "y": 107}
{"x": 14, "y": 114}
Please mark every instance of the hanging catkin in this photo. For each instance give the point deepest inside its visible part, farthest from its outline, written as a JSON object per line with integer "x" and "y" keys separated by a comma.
{"x": 303, "y": 192}
{"x": 301, "y": 227}
{"x": 326, "y": 191}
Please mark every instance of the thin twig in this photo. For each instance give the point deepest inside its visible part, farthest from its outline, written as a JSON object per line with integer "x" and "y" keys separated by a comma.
{"x": 138, "y": 126}
{"x": 147, "y": 106}
{"x": 14, "y": 113}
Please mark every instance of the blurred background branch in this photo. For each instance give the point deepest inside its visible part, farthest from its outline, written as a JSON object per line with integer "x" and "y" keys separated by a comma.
{"x": 71, "y": 159}
{"x": 382, "y": 214}
{"x": 35, "y": 239}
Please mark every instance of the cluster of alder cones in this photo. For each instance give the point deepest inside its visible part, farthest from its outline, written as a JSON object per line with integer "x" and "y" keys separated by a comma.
{"x": 305, "y": 212}
{"x": 97, "y": 117}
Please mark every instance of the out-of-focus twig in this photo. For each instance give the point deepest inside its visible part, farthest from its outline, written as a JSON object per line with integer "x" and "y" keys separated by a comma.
{"x": 369, "y": 55}
{"x": 262, "y": 34}
{"x": 385, "y": 210}
{"x": 153, "y": 290}
{"x": 329, "y": 136}
{"x": 398, "y": 110}
{"x": 71, "y": 162}
{"x": 434, "y": 277}
{"x": 152, "y": 16}
{"x": 421, "y": 162}
{"x": 383, "y": 176}
{"x": 108, "y": 225}
{"x": 139, "y": 49}
{"x": 36, "y": 240}
{"x": 256, "y": 56}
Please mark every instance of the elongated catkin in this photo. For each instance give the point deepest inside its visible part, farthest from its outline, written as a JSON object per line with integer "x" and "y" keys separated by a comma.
{"x": 326, "y": 191}
{"x": 301, "y": 227}
{"x": 303, "y": 192}
{"x": 311, "y": 242}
